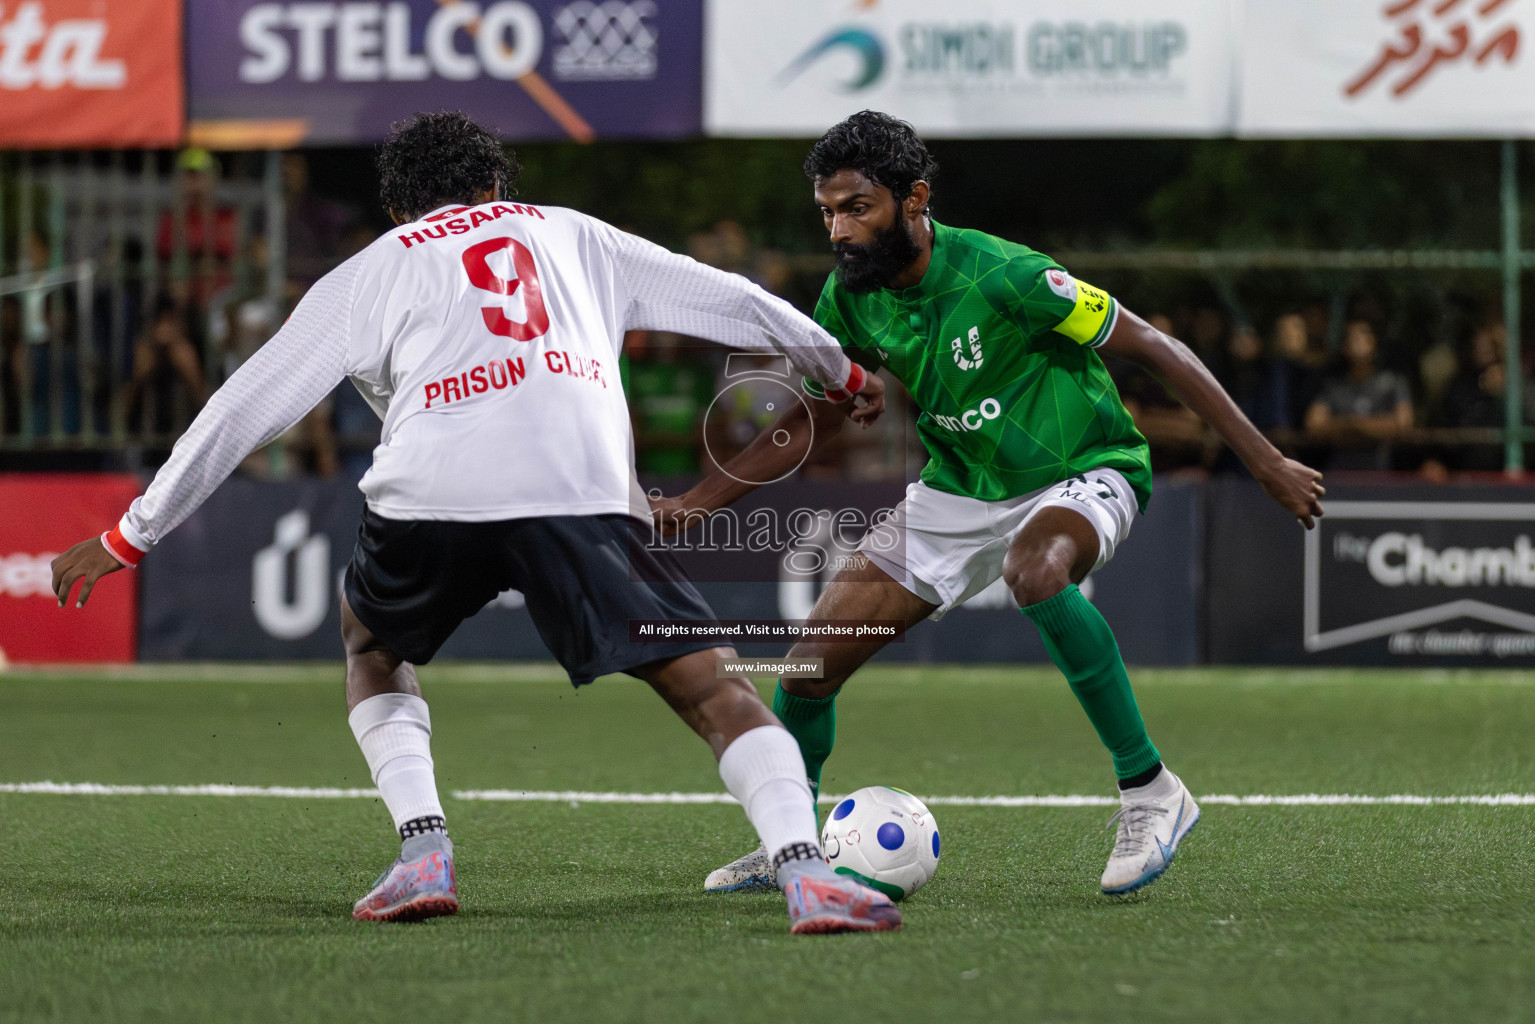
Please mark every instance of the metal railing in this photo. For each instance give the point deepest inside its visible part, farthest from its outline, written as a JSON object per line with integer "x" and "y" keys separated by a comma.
{"x": 92, "y": 245}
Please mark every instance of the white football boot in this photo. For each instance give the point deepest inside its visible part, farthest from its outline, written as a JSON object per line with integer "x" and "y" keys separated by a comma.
{"x": 753, "y": 871}
{"x": 1152, "y": 820}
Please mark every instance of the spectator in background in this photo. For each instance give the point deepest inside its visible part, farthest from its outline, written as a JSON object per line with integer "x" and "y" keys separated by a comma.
{"x": 753, "y": 389}
{"x": 1249, "y": 378}
{"x": 1207, "y": 335}
{"x": 726, "y": 246}
{"x": 669, "y": 386}
{"x": 12, "y": 354}
{"x": 196, "y": 236}
{"x": 167, "y": 385}
{"x": 1297, "y": 370}
{"x": 1476, "y": 394}
{"x": 241, "y": 317}
{"x": 308, "y": 448}
{"x": 49, "y": 347}
{"x": 1437, "y": 367}
{"x": 317, "y": 227}
{"x": 1175, "y": 433}
{"x": 1362, "y": 407}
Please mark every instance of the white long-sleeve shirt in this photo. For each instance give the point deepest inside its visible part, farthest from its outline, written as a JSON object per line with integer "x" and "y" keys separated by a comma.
{"x": 487, "y": 338}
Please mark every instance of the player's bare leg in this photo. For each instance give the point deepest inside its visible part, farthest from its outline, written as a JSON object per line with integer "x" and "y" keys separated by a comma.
{"x": 1054, "y": 552}
{"x": 807, "y": 707}
{"x": 863, "y": 592}
{"x": 394, "y": 730}
{"x": 761, "y": 766}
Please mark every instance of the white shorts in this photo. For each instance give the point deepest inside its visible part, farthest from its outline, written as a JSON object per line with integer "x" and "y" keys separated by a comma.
{"x": 952, "y": 546}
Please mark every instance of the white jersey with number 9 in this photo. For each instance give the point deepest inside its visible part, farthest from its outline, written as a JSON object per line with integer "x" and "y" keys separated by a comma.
{"x": 487, "y": 338}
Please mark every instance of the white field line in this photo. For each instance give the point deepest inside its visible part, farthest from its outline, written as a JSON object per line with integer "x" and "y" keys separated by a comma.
{"x": 584, "y": 797}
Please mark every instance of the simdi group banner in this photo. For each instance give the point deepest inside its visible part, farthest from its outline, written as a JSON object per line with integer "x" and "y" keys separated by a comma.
{"x": 285, "y": 74}
{"x": 1433, "y": 68}
{"x": 973, "y": 68}
{"x": 90, "y": 73}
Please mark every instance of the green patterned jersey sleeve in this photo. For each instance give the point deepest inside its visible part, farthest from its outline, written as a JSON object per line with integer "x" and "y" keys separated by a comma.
{"x": 1045, "y": 298}
{"x": 832, "y": 321}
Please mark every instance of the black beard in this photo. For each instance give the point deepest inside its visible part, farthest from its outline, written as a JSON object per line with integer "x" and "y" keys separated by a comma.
{"x": 875, "y": 265}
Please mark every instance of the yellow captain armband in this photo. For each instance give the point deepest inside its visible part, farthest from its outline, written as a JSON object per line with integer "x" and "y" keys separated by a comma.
{"x": 1093, "y": 312}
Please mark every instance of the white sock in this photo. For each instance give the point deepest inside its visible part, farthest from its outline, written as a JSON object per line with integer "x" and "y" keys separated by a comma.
{"x": 763, "y": 769}
{"x": 394, "y": 731}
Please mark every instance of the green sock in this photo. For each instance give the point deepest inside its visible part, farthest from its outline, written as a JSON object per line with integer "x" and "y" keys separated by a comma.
{"x": 1082, "y": 646}
{"x": 813, "y": 724}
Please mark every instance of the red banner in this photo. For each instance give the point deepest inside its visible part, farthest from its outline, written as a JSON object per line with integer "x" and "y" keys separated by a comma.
{"x": 91, "y": 73}
{"x": 40, "y": 516}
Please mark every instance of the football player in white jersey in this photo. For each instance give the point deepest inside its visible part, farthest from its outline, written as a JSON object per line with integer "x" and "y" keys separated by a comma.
{"x": 486, "y": 334}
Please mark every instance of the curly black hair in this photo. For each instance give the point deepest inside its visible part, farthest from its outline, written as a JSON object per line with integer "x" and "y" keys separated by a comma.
{"x": 885, "y": 149}
{"x": 433, "y": 159}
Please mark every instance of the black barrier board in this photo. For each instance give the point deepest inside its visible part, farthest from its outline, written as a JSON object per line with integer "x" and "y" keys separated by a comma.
{"x": 1393, "y": 575}
{"x": 255, "y": 573}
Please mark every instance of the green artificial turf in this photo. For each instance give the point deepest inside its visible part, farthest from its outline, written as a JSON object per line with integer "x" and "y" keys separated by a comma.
{"x": 134, "y": 908}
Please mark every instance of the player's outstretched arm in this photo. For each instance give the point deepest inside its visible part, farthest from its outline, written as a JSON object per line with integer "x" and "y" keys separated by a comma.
{"x": 670, "y": 292}
{"x": 1292, "y": 484}
{"x": 796, "y": 435}
{"x": 274, "y": 389}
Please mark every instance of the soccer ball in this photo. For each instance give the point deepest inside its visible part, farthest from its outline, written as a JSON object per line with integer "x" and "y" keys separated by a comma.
{"x": 884, "y": 837}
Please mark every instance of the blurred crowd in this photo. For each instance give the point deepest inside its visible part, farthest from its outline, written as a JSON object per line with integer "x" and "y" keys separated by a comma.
{"x": 1328, "y": 385}
{"x": 184, "y": 296}
{"x": 1336, "y": 393}
{"x": 175, "y": 302}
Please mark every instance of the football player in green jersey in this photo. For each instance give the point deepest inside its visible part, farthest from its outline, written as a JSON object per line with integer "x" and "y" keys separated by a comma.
{"x": 1036, "y": 469}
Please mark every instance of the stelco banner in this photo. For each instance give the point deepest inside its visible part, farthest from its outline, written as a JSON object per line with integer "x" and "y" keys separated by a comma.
{"x": 340, "y": 73}
{"x": 973, "y": 68}
{"x": 41, "y": 515}
{"x": 1388, "y": 67}
{"x": 1391, "y": 576}
{"x": 90, "y": 73}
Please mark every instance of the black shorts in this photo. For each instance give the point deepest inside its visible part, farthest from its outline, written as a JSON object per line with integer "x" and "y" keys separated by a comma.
{"x": 411, "y": 582}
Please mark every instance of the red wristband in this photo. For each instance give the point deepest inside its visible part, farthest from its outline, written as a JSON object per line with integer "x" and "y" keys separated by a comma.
{"x": 856, "y": 378}
{"x": 119, "y": 548}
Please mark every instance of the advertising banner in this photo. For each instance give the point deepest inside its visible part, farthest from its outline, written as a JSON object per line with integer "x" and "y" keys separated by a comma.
{"x": 90, "y": 73}
{"x": 973, "y": 68}
{"x": 42, "y": 515}
{"x": 256, "y": 572}
{"x": 1388, "y": 67}
{"x": 1391, "y": 576}
{"x": 328, "y": 73}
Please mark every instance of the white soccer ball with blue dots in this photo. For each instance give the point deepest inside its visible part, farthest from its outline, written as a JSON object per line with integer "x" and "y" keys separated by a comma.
{"x": 884, "y": 837}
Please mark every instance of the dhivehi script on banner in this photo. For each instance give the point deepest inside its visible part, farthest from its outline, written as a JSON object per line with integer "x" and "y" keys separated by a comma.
{"x": 1391, "y": 68}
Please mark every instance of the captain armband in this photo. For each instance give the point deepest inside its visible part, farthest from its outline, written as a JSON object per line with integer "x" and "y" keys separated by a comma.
{"x": 1093, "y": 313}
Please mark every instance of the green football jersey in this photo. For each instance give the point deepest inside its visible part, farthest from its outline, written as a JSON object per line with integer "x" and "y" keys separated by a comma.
{"x": 996, "y": 347}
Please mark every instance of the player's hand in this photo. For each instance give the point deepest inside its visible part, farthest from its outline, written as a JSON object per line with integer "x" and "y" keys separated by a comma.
{"x": 674, "y": 515}
{"x": 88, "y": 561}
{"x": 873, "y": 401}
{"x": 1297, "y": 487}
